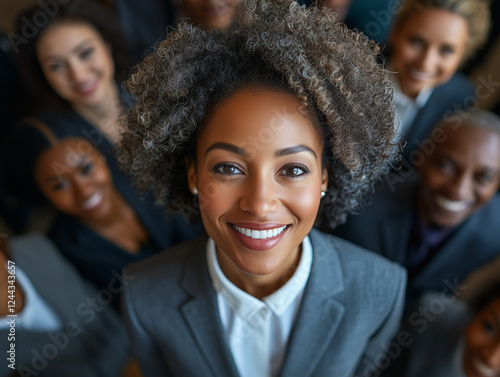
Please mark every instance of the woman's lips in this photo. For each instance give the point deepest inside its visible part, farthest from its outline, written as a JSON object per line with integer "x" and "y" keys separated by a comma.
{"x": 93, "y": 202}
{"x": 259, "y": 237}
{"x": 87, "y": 88}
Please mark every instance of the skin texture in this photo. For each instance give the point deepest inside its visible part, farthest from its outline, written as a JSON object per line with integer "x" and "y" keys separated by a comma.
{"x": 74, "y": 177}
{"x": 77, "y": 63}
{"x": 460, "y": 176}
{"x": 210, "y": 14}
{"x": 254, "y": 186}
{"x": 482, "y": 343}
{"x": 427, "y": 49}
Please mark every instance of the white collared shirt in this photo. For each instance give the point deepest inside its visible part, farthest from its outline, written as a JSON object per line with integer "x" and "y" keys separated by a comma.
{"x": 406, "y": 107}
{"x": 36, "y": 315}
{"x": 258, "y": 331}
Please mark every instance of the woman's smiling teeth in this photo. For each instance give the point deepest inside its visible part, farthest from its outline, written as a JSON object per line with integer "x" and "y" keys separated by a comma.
{"x": 259, "y": 234}
{"x": 452, "y": 205}
{"x": 484, "y": 369}
{"x": 93, "y": 201}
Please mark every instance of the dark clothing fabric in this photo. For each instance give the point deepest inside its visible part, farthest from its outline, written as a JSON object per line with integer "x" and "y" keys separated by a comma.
{"x": 96, "y": 258}
{"x": 424, "y": 242}
{"x": 455, "y": 95}
{"x": 385, "y": 225}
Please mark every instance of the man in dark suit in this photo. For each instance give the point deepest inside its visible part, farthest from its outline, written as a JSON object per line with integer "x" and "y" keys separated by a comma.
{"x": 443, "y": 223}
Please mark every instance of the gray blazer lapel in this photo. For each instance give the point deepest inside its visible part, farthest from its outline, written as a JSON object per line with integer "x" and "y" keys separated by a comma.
{"x": 320, "y": 315}
{"x": 202, "y": 315}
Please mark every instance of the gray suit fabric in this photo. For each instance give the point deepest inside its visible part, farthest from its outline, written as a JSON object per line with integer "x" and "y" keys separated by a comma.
{"x": 351, "y": 307}
{"x": 92, "y": 342}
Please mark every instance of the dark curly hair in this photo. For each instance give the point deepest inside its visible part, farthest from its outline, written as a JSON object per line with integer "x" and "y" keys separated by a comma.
{"x": 74, "y": 11}
{"x": 331, "y": 70}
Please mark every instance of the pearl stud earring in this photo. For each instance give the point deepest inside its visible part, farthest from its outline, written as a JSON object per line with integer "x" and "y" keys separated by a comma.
{"x": 194, "y": 191}
{"x": 323, "y": 193}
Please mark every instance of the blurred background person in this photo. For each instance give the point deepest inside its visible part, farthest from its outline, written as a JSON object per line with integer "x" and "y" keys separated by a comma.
{"x": 443, "y": 223}
{"x": 59, "y": 331}
{"x": 100, "y": 227}
{"x": 461, "y": 340}
{"x": 429, "y": 41}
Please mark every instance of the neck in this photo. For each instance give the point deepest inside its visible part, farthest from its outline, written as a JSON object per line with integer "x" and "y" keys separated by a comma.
{"x": 259, "y": 286}
{"x": 104, "y": 115}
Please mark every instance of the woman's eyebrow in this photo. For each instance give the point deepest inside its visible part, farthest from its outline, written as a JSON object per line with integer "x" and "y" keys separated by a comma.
{"x": 57, "y": 177}
{"x": 293, "y": 150}
{"x": 74, "y": 50}
{"x": 227, "y": 147}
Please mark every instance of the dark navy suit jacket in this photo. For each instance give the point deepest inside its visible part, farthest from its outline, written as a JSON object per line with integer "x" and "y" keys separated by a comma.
{"x": 455, "y": 95}
{"x": 385, "y": 225}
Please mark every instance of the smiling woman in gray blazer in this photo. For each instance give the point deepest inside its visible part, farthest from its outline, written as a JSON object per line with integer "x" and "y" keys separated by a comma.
{"x": 252, "y": 129}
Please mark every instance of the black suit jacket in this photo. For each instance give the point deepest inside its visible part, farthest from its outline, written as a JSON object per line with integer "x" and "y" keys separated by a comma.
{"x": 455, "y": 95}
{"x": 385, "y": 225}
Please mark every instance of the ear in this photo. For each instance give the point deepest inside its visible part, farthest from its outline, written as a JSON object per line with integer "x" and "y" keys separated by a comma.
{"x": 191, "y": 173}
{"x": 324, "y": 179}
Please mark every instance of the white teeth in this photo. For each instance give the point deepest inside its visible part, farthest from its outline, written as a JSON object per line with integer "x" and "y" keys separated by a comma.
{"x": 259, "y": 234}
{"x": 483, "y": 368}
{"x": 451, "y": 205}
{"x": 93, "y": 200}
{"x": 421, "y": 75}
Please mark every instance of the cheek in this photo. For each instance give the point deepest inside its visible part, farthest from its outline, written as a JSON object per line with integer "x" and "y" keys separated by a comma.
{"x": 215, "y": 199}
{"x": 61, "y": 200}
{"x": 304, "y": 203}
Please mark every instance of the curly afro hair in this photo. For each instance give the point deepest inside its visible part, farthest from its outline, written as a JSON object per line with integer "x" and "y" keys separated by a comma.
{"x": 331, "y": 70}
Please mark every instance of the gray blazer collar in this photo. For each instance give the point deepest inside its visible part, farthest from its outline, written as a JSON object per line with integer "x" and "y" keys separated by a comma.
{"x": 316, "y": 324}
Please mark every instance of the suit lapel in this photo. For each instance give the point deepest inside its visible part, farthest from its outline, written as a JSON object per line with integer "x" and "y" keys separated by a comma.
{"x": 449, "y": 259}
{"x": 320, "y": 315}
{"x": 202, "y": 316}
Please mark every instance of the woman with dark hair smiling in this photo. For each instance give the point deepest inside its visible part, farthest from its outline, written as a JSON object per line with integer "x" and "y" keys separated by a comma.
{"x": 251, "y": 129}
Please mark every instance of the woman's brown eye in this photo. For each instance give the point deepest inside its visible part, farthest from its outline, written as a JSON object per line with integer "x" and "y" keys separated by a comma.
{"x": 226, "y": 169}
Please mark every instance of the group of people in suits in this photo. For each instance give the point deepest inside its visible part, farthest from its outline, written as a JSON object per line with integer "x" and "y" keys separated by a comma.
{"x": 275, "y": 120}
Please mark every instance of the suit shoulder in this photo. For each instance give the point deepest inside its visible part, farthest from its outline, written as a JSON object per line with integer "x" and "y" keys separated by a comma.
{"x": 167, "y": 259}
{"x": 355, "y": 258}
{"x": 458, "y": 85}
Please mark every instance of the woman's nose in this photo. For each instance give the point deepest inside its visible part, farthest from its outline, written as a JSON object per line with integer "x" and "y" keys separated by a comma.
{"x": 427, "y": 60}
{"x": 259, "y": 197}
{"x": 77, "y": 72}
{"x": 83, "y": 188}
